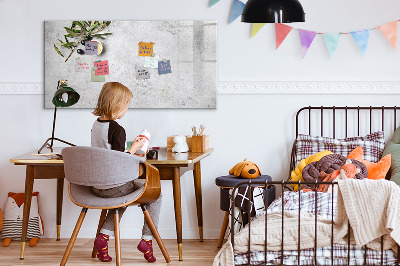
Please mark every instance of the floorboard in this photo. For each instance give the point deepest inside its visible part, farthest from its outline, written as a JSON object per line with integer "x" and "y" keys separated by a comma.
{"x": 49, "y": 252}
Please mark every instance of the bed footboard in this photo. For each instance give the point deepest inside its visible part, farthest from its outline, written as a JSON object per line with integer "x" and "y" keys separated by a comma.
{"x": 383, "y": 258}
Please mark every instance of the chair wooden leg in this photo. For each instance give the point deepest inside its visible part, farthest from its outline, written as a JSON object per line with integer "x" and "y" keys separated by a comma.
{"x": 117, "y": 239}
{"x": 223, "y": 229}
{"x": 101, "y": 222}
{"x": 73, "y": 237}
{"x": 154, "y": 230}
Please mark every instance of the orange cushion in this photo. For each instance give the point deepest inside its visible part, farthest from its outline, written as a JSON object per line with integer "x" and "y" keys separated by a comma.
{"x": 375, "y": 170}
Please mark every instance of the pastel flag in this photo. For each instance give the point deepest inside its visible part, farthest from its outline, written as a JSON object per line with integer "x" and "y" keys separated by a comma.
{"x": 213, "y": 2}
{"x": 306, "y": 39}
{"x": 237, "y": 9}
{"x": 332, "y": 41}
{"x": 256, "y": 27}
{"x": 389, "y": 30}
{"x": 361, "y": 37}
{"x": 281, "y": 31}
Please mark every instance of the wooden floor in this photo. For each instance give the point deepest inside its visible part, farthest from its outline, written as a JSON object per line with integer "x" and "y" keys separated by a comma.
{"x": 50, "y": 252}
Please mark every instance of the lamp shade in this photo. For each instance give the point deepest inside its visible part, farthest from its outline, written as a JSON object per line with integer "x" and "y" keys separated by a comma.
{"x": 65, "y": 96}
{"x": 273, "y": 11}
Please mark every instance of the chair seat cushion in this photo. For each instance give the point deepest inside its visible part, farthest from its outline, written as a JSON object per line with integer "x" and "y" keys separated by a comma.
{"x": 83, "y": 195}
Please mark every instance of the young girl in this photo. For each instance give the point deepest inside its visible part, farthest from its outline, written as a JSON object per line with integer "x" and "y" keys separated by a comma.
{"x": 113, "y": 102}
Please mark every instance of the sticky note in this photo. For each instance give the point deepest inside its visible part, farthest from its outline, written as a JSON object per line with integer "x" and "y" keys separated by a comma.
{"x": 101, "y": 68}
{"x": 142, "y": 73}
{"x": 146, "y": 48}
{"x": 97, "y": 78}
{"x": 164, "y": 68}
{"x": 92, "y": 48}
{"x": 83, "y": 64}
{"x": 151, "y": 62}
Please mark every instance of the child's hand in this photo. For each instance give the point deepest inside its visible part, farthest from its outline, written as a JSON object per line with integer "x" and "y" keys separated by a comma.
{"x": 137, "y": 144}
{"x": 143, "y": 155}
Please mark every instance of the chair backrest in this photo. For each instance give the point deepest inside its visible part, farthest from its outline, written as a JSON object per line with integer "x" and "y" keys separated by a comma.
{"x": 92, "y": 166}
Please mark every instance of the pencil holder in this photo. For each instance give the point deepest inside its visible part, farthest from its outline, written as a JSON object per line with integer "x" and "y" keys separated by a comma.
{"x": 200, "y": 143}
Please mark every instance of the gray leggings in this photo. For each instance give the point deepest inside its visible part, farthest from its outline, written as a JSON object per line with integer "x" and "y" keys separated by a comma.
{"x": 154, "y": 208}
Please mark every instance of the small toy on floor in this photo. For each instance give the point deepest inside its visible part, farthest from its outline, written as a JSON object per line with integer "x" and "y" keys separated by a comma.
{"x": 13, "y": 215}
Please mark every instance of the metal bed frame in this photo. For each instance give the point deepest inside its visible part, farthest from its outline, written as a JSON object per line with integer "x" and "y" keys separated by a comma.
{"x": 283, "y": 184}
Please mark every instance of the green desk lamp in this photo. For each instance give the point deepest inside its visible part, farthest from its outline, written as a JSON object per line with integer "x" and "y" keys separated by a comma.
{"x": 64, "y": 97}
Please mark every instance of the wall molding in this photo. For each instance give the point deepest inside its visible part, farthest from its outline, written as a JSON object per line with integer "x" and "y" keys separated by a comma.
{"x": 21, "y": 88}
{"x": 259, "y": 87}
{"x": 309, "y": 87}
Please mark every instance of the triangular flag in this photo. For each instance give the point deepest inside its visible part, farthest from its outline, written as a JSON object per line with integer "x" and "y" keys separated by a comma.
{"x": 237, "y": 9}
{"x": 255, "y": 28}
{"x": 361, "y": 37}
{"x": 213, "y": 2}
{"x": 390, "y": 32}
{"x": 281, "y": 31}
{"x": 332, "y": 41}
{"x": 306, "y": 39}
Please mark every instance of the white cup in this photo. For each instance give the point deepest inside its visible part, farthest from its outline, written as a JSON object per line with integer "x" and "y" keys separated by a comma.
{"x": 144, "y": 134}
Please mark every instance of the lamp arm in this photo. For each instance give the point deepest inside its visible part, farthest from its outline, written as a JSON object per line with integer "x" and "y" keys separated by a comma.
{"x": 54, "y": 126}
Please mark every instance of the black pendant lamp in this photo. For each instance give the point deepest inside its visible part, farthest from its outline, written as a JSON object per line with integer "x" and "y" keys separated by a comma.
{"x": 273, "y": 11}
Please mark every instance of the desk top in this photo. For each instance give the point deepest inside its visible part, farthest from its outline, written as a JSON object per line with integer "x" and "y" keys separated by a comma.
{"x": 164, "y": 157}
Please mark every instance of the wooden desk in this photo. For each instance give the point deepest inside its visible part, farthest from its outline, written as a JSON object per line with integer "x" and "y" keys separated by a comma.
{"x": 171, "y": 167}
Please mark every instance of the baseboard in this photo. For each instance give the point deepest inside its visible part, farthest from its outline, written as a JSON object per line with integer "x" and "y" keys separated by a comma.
{"x": 259, "y": 87}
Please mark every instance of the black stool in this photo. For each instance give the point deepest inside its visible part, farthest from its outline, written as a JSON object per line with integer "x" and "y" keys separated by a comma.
{"x": 226, "y": 183}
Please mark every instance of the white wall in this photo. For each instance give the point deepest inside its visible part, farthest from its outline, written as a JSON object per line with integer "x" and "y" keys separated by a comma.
{"x": 259, "y": 127}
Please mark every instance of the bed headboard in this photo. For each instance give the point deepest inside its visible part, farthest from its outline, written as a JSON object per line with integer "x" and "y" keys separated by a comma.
{"x": 344, "y": 121}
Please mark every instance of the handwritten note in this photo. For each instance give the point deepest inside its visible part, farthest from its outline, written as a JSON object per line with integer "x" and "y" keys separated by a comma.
{"x": 164, "y": 67}
{"x": 83, "y": 64}
{"x": 92, "y": 48}
{"x": 146, "y": 48}
{"x": 95, "y": 78}
{"x": 142, "y": 73}
{"x": 151, "y": 62}
{"x": 101, "y": 68}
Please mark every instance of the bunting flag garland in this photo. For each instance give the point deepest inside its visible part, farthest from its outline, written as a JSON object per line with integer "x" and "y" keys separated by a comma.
{"x": 256, "y": 27}
{"x": 361, "y": 37}
{"x": 332, "y": 41}
{"x": 237, "y": 9}
{"x": 389, "y": 30}
{"x": 281, "y": 31}
{"x": 306, "y": 39}
{"x": 213, "y": 2}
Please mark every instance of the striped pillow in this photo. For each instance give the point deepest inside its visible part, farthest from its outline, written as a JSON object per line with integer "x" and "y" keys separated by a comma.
{"x": 372, "y": 145}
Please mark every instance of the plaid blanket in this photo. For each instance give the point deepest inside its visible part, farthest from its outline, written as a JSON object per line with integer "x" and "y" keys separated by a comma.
{"x": 324, "y": 257}
{"x": 323, "y": 205}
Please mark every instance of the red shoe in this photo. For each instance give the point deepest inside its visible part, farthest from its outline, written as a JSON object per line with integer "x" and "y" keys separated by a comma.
{"x": 146, "y": 247}
{"x": 101, "y": 245}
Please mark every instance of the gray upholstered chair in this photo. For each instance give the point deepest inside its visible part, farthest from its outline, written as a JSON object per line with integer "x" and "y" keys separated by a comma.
{"x": 85, "y": 167}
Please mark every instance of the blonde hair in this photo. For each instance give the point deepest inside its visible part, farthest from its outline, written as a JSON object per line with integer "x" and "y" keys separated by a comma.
{"x": 112, "y": 99}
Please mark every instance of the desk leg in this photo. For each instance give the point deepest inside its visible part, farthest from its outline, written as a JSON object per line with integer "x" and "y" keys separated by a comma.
{"x": 27, "y": 206}
{"x": 176, "y": 182}
{"x": 199, "y": 204}
{"x": 60, "y": 190}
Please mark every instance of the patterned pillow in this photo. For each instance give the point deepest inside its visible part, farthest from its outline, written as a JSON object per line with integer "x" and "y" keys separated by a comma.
{"x": 372, "y": 144}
